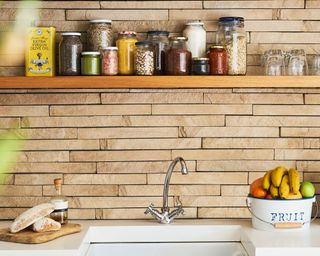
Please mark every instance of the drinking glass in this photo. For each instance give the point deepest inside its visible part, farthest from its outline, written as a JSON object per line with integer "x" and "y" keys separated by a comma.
{"x": 316, "y": 65}
{"x": 273, "y": 62}
{"x": 297, "y": 63}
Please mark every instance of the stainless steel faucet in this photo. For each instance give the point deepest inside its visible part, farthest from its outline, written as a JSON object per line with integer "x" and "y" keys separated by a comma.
{"x": 165, "y": 216}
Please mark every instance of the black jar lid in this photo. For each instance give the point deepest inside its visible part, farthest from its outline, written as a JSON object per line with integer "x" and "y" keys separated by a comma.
{"x": 158, "y": 33}
{"x": 231, "y": 20}
{"x": 144, "y": 43}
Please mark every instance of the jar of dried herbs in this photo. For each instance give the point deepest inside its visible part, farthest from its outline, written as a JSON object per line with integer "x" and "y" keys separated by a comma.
{"x": 70, "y": 49}
{"x": 99, "y": 35}
{"x": 90, "y": 64}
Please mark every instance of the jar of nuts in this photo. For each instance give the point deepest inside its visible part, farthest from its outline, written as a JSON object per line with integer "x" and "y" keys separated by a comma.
{"x": 99, "y": 35}
{"x": 144, "y": 58}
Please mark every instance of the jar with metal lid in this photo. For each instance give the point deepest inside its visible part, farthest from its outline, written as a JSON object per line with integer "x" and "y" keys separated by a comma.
{"x": 99, "y": 34}
{"x": 232, "y": 35}
{"x": 200, "y": 66}
{"x": 109, "y": 61}
{"x": 178, "y": 58}
{"x": 126, "y": 46}
{"x": 70, "y": 49}
{"x": 90, "y": 64}
{"x": 218, "y": 60}
{"x": 160, "y": 41}
{"x": 144, "y": 58}
{"x": 196, "y": 35}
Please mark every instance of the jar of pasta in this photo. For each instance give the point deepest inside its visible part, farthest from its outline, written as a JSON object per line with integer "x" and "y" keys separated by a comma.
{"x": 126, "y": 46}
{"x": 99, "y": 34}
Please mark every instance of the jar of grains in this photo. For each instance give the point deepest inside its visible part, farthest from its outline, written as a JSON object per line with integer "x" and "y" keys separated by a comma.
{"x": 178, "y": 58}
{"x": 218, "y": 60}
{"x": 99, "y": 34}
{"x": 200, "y": 66}
{"x": 232, "y": 35}
{"x": 144, "y": 58}
{"x": 196, "y": 35}
{"x": 90, "y": 64}
{"x": 109, "y": 61}
{"x": 70, "y": 49}
{"x": 160, "y": 41}
{"x": 126, "y": 45}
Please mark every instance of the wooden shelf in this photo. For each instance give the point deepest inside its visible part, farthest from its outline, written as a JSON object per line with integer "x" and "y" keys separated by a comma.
{"x": 160, "y": 82}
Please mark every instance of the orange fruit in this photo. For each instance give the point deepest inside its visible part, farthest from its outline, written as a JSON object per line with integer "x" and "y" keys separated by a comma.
{"x": 259, "y": 193}
{"x": 256, "y": 188}
{"x": 268, "y": 196}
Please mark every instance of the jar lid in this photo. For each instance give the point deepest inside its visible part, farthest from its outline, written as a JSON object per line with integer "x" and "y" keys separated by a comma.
{"x": 143, "y": 43}
{"x": 71, "y": 34}
{"x": 111, "y": 48}
{"x": 158, "y": 33}
{"x": 231, "y": 19}
{"x": 216, "y": 47}
{"x": 200, "y": 59}
{"x": 90, "y": 53}
{"x": 127, "y": 33}
{"x": 195, "y": 23}
{"x": 178, "y": 38}
{"x": 101, "y": 21}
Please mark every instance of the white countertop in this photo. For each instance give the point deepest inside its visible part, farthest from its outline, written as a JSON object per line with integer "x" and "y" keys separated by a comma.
{"x": 258, "y": 243}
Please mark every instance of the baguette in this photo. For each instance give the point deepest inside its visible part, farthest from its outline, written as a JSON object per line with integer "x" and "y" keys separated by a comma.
{"x": 30, "y": 216}
{"x": 46, "y": 224}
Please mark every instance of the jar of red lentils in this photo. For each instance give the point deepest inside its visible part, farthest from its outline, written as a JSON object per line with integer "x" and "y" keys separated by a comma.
{"x": 109, "y": 61}
{"x": 218, "y": 60}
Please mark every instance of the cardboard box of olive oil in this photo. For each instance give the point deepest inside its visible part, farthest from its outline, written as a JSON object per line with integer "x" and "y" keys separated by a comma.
{"x": 40, "y": 51}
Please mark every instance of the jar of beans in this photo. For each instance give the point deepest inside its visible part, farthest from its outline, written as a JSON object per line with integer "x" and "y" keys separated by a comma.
{"x": 126, "y": 44}
{"x": 200, "y": 66}
{"x": 109, "y": 61}
{"x": 70, "y": 49}
{"x": 99, "y": 35}
{"x": 144, "y": 59}
{"x": 90, "y": 64}
{"x": 178, "y": 58}
{"x": 218, "y": 60}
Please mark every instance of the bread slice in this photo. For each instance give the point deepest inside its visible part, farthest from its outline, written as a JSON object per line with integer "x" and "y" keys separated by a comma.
{"x": 46, "y": 224}
{"x": 30, "y": 216}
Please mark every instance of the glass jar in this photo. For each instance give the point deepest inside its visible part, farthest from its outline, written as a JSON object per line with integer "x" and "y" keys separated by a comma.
{"x": 126, "y": 46}
{"x": 218, "y": 60}
{"x": 178, "y": 58}
{"x": 160, "y": 41}
{"x": 60, "y": 202}
{"x": 200, "y": 66}
{"x": 70, "y": 49}
{"x": 196, "y": 35}
{"x": 144, "y": 59}
{"x": 109, "y": 61}
{"x": 99, "y": 34}
{"x": 90, "y": 64}
{"x": 232, "y": 35}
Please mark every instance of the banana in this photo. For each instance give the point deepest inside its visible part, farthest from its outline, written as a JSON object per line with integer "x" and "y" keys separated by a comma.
{"x": 284, "y": 188}
{"x": 267, "y": 180}
{"x": 294, "y": 181}
{"x": 277, "y": 174}
{"x": 274, "y": 191}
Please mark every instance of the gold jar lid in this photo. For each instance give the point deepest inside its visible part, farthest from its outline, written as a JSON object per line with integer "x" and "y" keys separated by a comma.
{"x": 200, "y": 59}
{"x": 216, "y": 47}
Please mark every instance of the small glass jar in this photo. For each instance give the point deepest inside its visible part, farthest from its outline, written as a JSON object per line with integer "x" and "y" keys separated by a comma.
{"x": 144, "y": 59}
{"x": 109, "y": 61}
{"x": 60, "y": 202}
{"x": 99, "y": 35}
{"x": 218, "y": 60}
{"x": 90, "y": 64}
{"x": 126, "y": 46}
{"x": 200, "y": 66}
{"x": 70, "y": 49}
{"x": 232, "y": 35}
{"x": 178, "y": 58}
{"x": 160, "y": 41}
{"x": 196, "y": 35}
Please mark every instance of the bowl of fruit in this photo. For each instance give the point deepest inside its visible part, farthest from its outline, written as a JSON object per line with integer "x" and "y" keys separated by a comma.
{"x": 280, "y": 201}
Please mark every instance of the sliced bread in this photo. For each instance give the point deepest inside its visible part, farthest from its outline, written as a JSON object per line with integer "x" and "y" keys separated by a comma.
{"x": 46, "y": 224}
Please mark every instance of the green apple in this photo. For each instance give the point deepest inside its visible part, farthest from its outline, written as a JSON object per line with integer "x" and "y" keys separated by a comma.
{"x": 307, "y": 189}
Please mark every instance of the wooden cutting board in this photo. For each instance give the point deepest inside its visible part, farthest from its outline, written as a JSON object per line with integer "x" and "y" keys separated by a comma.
{"x": 30, "y": 237}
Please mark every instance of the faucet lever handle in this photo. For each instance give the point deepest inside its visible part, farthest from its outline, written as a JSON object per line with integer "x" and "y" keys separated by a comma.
{"x": 149, "y": 208}
{"x": 177, "y": 201}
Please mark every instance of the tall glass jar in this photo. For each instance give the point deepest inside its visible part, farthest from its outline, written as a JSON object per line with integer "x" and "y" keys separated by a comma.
{"x": 144, "y": 58}
{"x": 160, "y": 41}
{"x": 90, "y": 64}
{"x": 109, "y": 61}
{"x": 99, "y": 35}
{"x": 196, "y": 35}
{"x": 232, "y": 35}
{"x": 70, "y": 49}
{"x": 178, "y": 58}
{"x": 218, "y": 60}
{"x": 126, "y": 46}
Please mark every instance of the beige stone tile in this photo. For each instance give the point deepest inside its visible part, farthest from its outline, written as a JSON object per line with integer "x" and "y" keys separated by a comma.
{"x": 284, "y": 37}
{"x": 252, "y": 143}
{"x": 44, "y": 156}
{"x": 278, "y": 110}
{"x": 229, "y": 132}
{"x": 234, "y": 190}
{"x": 175, "y": 190}
{"x": 255, "y": 175}
{"x": 254, "y": 4}
{"x": 313, "y": 177}
{"x": 253, "y": 98}
{"x": 151, "y": 4}
{"x": 139, "y": 167}
{"x": 300, "y": 132}
{"x": 9, "y": 122}
{"x": 22, "y": 201}
{"x": 50, "y": 133}
{"x": 302, "y": 14}
{"x": 308, "y": 166}
{"x": 61, "y": 144}
{"x": 257, "y": 154}
{"x": 311, "y": 143}
{"x": 255, "y": 48}
{"x": 312, "y": 99}
{"x": 11, "y": 213}
{"x": 44, "y": 14}
{"x": 13, "y": 190}
{"x": 99, "y": 110}
{"x": 117, "y": 14}
{"x": 201, "y": 178}
{"x": 81, "y": 214}
{"x": 11, "y": 71}
{"x": 54, "y": 167}
{"x": 6, "y": 179}
{"x": 297, "y": 154}
{"x": 238, "y": 213}
{"x": 242, "y": 165}
{"x": 215, "y": 201}
{"x": 93, "y": 179}
{"x": 35, "y": 179}
{"x": 83, "y": 190}
{"x": 24, "y": 110}
{"x": 53, "y": 4}
{"x": 200, "y": 109}
{"x": 312, "y": 4}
